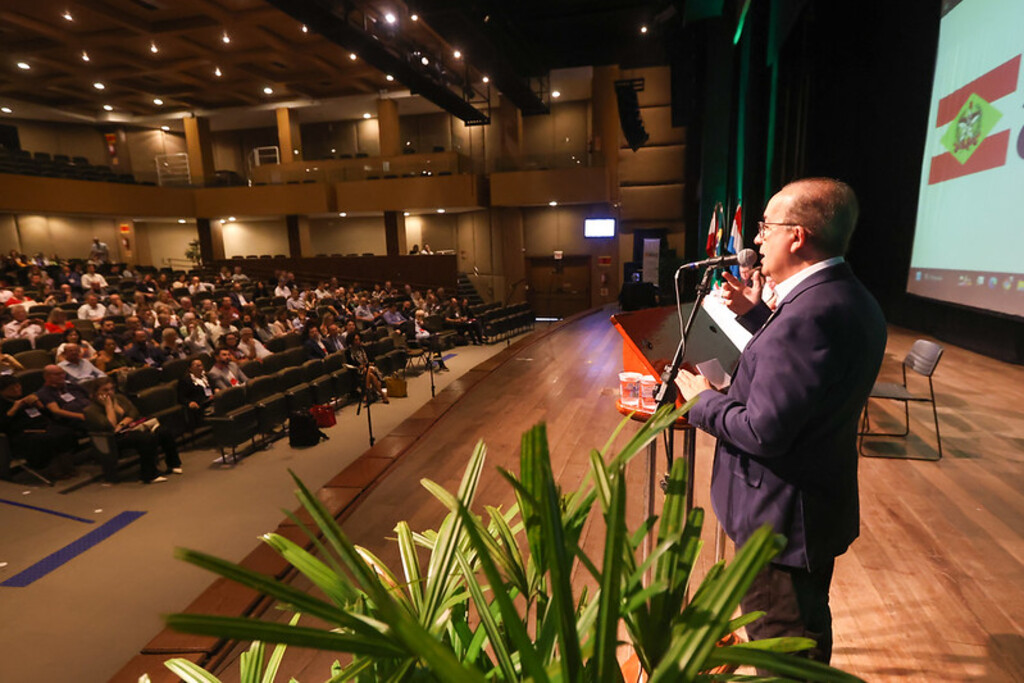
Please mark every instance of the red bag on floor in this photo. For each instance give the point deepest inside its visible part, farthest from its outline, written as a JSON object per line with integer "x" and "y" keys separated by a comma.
{"x": 324, "y": 416}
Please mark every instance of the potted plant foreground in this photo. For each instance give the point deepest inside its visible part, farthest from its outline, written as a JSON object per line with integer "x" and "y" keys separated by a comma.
{"x": 489, "y": 596}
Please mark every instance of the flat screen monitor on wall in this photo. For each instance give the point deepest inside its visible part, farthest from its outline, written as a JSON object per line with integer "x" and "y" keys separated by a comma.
{"x": 599, "y": 227}
{"x": 969, "y": 237}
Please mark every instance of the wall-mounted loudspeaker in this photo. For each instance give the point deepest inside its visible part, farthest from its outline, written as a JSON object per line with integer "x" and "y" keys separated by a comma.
{"x": 629, "y": 112}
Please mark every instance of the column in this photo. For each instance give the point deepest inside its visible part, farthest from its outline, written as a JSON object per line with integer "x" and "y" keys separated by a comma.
{"x": 211, "y": 240}
{"x": 387, "y": 123}
{"x": 394, "y": 233}
{"x": 200, "y": 150}
{"x": 288, "y": 138}
{"x": 294, "y": 239}
{"x": 605, "y": 112}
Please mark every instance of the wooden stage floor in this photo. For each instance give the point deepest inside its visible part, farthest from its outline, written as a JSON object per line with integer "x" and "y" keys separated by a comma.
{"x": 932, "y": 591}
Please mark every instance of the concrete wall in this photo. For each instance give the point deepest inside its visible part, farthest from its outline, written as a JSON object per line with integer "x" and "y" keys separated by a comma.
{"x": 351, "y": 235}
{"x": 245, "y": 237}
{"x": 157, "y": 241}
{"x": 68, "y": 236}
{"x": 74, "y": 141}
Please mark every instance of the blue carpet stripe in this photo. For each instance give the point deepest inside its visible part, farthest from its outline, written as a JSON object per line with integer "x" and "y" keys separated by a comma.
{"x": 448, "y": 356}
{"x": 72, "y": 550}
{"x": 46, "y": 510}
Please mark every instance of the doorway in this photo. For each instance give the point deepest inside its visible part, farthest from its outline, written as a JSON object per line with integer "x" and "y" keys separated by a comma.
{"x": 558, "y": 287}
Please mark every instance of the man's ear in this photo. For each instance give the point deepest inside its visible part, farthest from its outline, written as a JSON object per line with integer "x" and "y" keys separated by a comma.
{"x": 799, "y": 239}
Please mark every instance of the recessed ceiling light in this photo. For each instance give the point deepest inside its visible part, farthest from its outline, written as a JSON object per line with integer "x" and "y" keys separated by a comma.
{"x": 485, "y": 79}
{"x": 352, "y": 56}
{"x": 457, "y": 54}
{"x": 366, "y": 115}
{"x": 556, "y": 94}
{"x": 295, "y": 151}
{"x": 414, "y": 17}
{"x": 390, "y": 18}
{"x": 217, "y": 72}
{"x": 107, "y": 107}
{"x": 24, "y": 65}
{"x": 68, "y": 16}
{"x": 153, "y": 48}
{"x": 85, "y": 56}
{"x": 405, "y": 213}
{"x": 157, "y": 101}
{"x": 424, "y": 61}
{"x": 643, "y": 29}
{"x": 440, "y": 210}
{"x": 305, "y": 29}
{"x": 225, "y": 38}
{"x": 165, "y": 128}
{"x": 389, "y": 78}
{"x": 552, "y": 203}
{"x": 7, "y": 110}
{"x": 268, "y": 90}
{"x": 98, "y": 85}
{"x": 181, "y": 220}
{"x": 333, "y": 150}
{"x": 342, "y": 214}
{"x": 231, "y": 219}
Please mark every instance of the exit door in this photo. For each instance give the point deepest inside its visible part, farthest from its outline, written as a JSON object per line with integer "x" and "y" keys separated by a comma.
{"x": 558, "y": 287}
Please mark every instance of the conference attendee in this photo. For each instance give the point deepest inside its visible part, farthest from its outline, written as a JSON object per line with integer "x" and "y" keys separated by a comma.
{"x": 238, "y": 298}
{"x": 33, "y": 434}
{"x": 786, "y": 453}
{"x": 99, "y": 252}
{"x": 57, "y": 321}
{"x": 73, "y": 336}
{"x": 92, "y": 279}
{"x": 18, "y": 297}
{"x": 65, "y": 401}
{"x": 9, "y": 364}
{"x": 230, "y": 341}
{"x": 197, "y": 338}
{"x": 172, "y": 345}
{"x": 281, "y": 325}
{"x": 23, "y": 327}
{"x": 108, "y": 330}
{"x": 334, "y": 340}
{"x": 428, "y": 341}
{"x": 195, "y": 391}
{"x": 426, "y": 250}
{"x": 92, "y": 309}
{"x": 359, "y": 358}
{"x": 119, "y": 307}
{"x": 197, "y": 286}
{"x": 110, "y": 358}
{"x": 146, "y": 287}
{"x": 225, "y": 372}
{"x": 238, "y": 275}
{"x": 77, "y": 368}
{"x": 111, "y": 413}
{"x": 458, "y": 317}
{"x": 251, "y": 347}
{"x": 392, "y": 316}
{"x": 314, "y": 343}
{"x": 63, "y": 295}
{"x": 143, "y": 351}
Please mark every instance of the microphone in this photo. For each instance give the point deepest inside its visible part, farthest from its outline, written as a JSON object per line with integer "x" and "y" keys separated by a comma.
{"x": 746, "y": 258}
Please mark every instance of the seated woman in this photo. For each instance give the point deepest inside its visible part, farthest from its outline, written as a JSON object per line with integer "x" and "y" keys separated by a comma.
{"x": 110, "y": 412}
{"x": 195, "y": 391}
{"x": 58, "y": 321}
{"x": 230, "y": 342}
{"x": 72, "y": 336}
{"x": 110, "y": 359}
{"x": 371, "y": 379}
{"x": 281, "y": 325}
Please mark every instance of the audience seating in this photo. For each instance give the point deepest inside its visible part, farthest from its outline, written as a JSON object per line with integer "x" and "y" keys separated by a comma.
{"x": 271, "y": 405}
{"x": 233, "y": 422}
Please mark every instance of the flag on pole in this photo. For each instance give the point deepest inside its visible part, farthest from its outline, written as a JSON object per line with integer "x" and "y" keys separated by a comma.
{"x": 711, "y": 245}
{"x": 736, "y": 236}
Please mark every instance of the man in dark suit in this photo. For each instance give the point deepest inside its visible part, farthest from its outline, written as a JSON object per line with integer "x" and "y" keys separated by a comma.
{"x": 787, "y": 428}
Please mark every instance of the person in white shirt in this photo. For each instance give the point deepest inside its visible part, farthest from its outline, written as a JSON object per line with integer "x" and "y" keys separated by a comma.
{"x": 118, "y": 307}
{"x": 23, "y": 327}
{"x": 283, "y": 289}
{"x": 252, "y": 347}
{"x": 197, "y": 286}
{"x": 77, "y": 368}
{"x": 91, "y": 309}
{"x": 91, "y": 276}
{"x": 100, "y": 252}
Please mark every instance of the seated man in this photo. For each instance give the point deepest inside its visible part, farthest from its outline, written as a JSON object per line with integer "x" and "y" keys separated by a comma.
{"x": 118, "y": 307}
{"x": 143, "y": 351}
{"x": 91, "y": 278}
{"x": 65, "y": 401}
{"x": 77, "y": 368}
{"x": 33, "y": 433}
{"x": 225, "y": 373}
{"x": 92, "y": 309}
{"x": 23, "y": 327}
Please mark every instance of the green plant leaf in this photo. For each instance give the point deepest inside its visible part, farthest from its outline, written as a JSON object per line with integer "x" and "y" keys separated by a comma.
{"x": 606, "y": 641}
{"x": 785, "y": 665}
{"x": 334, "y": 585}
{"x": 741, "y": 621}
{"x": 270, "y": 673}
{"x": 410, "y": 564}
{"x": 487, "y": 620}
{"x": 189, "y": 671}
{"x": 251, "y": 663}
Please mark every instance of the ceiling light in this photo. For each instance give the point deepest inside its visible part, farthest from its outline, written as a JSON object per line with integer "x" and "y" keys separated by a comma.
{"x": 486, "y": 79}
{"x": 157, "y": 101}
{"x": 24, "y": 65}
{"x": 85, "y": 56}
{"x": 153, "y": 48}
{"x": 67, "y": 15}
{"x": 295, "y": 151}
{"x": 7, "y": 110}
{"x": 305, "y": 29}
{"x": 414, "y": 17}
{"x": 440, "y": 210}
{"x": 405, "y": 213}
{"x": 181, "y": 221}
{"x": 342, "y": 214}
{"x": 643, "y": 29}
{"x": 107, "y": 107}
{"x": 424, "y": 61}
{"x": 389, "y": 78}
{"x": 268, "y": 90}
{"x": 552, "y": 203}
{"x": 165, "y": 128}
{"x": 98, "y": 85}
{"x": 333, "y": 150}
{"x": 217, "y": 72}
{"x": 366, "y": 115}
{"x": 352, "y": 56}
{"x": 390, "y": 18}
{"x": 231, "y": 219}
{"x": 225, "y": 38}
{"x": 556, "y": 94}
{"x": 457, "y": 54}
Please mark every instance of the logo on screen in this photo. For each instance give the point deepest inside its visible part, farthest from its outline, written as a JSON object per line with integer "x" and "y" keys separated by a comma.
{"x": 971, "y": 146}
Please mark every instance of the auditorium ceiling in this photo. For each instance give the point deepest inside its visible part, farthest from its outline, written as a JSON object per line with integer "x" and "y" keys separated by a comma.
{"x": 119, "y": 59}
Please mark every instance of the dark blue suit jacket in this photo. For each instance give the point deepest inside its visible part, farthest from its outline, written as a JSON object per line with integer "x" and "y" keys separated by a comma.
{"x": 787, "y": 428}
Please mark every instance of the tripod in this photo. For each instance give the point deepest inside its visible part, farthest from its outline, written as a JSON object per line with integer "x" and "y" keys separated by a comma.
{"x": 366, "y": 400}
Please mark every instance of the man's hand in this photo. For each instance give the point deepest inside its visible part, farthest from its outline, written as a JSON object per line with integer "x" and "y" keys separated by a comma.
{"x": 737, "y": 296}
{"x": 690, "y": 384}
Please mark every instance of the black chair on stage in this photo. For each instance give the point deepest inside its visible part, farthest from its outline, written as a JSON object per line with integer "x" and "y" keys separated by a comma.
{"x": 922, "y": 358}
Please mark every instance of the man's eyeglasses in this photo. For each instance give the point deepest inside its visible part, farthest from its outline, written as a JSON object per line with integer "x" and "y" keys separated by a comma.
{"x": 763, "y": 227}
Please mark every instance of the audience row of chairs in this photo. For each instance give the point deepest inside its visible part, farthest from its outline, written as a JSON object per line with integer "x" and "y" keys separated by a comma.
{"x": 23, "y": 162}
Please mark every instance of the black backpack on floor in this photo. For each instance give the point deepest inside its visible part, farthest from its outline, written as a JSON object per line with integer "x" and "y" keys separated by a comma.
{"x": 303, "y": 430}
